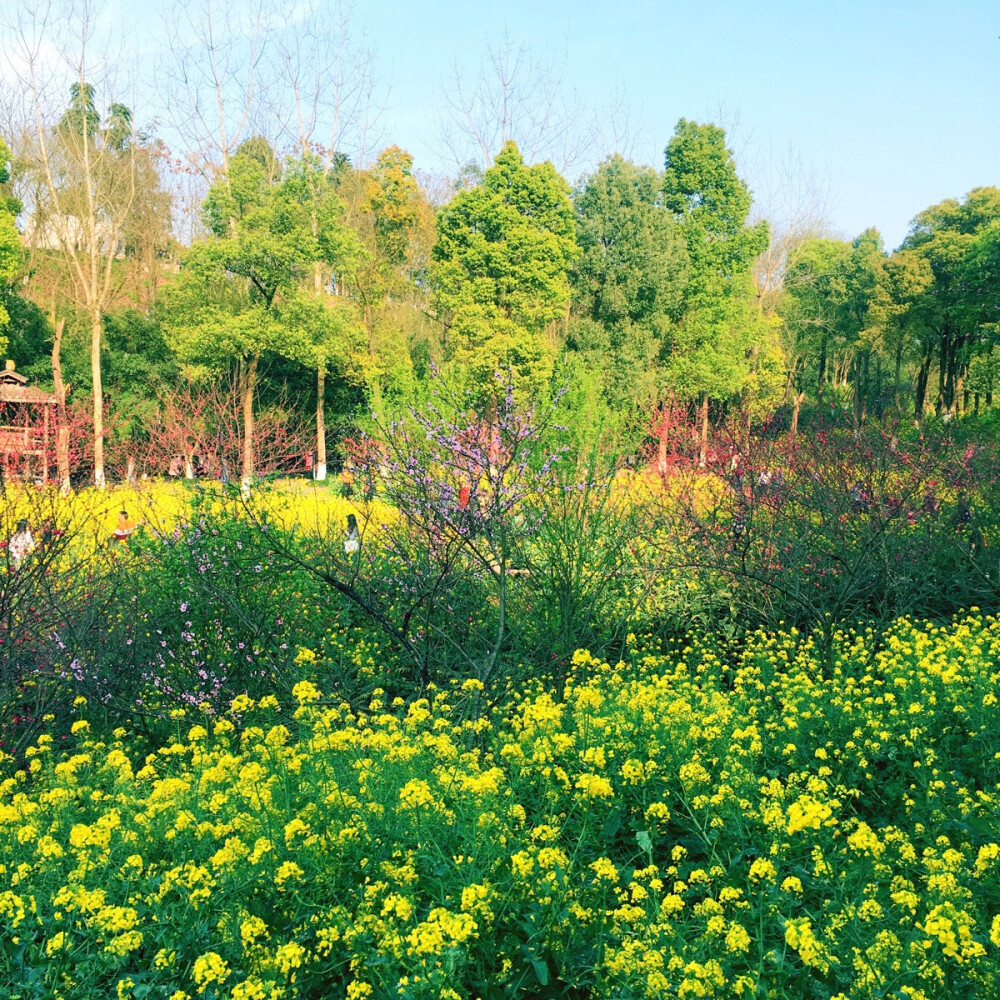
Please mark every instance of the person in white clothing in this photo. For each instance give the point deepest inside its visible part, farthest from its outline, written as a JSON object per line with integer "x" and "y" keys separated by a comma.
{"x": 352, "y": 541}
{"x": 21, "y": 544}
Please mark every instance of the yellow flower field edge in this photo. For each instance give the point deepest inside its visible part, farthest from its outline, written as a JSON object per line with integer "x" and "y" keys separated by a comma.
{"x": 666, "y": 827}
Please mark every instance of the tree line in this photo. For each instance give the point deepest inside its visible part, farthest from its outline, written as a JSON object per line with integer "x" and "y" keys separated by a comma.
{"x": 334, "y": 286}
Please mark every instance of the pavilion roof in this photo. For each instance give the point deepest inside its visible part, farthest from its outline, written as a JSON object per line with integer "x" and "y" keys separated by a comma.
{"x": 25, "y": 394}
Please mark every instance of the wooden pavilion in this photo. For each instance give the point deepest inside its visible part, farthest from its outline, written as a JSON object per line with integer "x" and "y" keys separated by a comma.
{"x": 27, "y": 425}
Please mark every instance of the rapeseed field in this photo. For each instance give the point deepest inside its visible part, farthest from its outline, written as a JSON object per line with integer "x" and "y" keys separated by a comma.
{"x": 662, "y": 826}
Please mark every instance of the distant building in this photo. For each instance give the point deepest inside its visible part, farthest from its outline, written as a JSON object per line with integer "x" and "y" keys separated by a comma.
{"x": 57, "y": 232}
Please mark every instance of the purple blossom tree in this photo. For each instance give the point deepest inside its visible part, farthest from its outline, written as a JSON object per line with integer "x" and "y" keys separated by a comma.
{"x": 465, "y": 480}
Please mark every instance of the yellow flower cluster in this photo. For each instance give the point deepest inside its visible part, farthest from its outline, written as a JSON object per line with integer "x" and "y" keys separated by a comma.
{"x": 778, "y": 824}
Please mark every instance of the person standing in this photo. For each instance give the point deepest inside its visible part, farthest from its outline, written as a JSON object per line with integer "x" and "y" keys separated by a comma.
{"x": 21, "y": 544}
{"x": 352, "y": 541}
{"x": 124, "y": 527}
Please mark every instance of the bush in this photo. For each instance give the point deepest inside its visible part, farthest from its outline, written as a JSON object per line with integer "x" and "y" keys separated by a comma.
{"x": 846, "y": 527}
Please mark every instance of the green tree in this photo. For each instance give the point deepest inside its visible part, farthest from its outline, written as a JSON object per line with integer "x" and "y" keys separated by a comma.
{"x": 10, "y": 244}
{"x": 981, "y": 279}
{"x": 707, "y": 197}
{"x": 325, "y": 320}
{"x": 713, "y": 342}
{"x": 945, "y": 319}
{"x": 628, "y": 279}
{"x": 256, "y": 284}
{"x": 81, "y": 117}
{"x": 222, "y": 308}
{"x": 907, "y": 276}
{"x": 838, "y": 313}
{"x": 812, "y": 311}
{"x": 394, "y": 227}
{"x": 866, "y": 313}
{"x": 500, "y": 267}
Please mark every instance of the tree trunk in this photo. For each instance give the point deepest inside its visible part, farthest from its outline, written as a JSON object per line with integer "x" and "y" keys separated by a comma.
{"x": 944, "y": 370}
{"x": 249, "y": 384}
{"x": 796, "y": 409}
{"x": 989, "y": 391}
{"x": 370, "y": 327}
{"x": 866, "y": 385}
{"x": 961, "y": 393}
{"x": 821, "y": 375}
{"x": 859, "y": 390}
{"x": 899, "y": 365}
{"x": 920, "y": 390}
{"x": 320, "y": 423}
{"x": 951, "y": 378}
{"x": 62, "y": 429}
{"x": 703, "y": 450}
{"x": 95, "y": 371}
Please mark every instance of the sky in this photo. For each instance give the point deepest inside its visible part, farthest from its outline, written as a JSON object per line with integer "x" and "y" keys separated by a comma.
{"x": 884, "y": 108}
{"x": 867, "y": 112}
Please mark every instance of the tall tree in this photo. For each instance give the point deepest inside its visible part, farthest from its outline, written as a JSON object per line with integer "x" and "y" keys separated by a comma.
{"x": 10, "y": 243}
{"x": 839, "y": 312}
{"x": 944, "y": 318}
{"x": 812, "y": 312}
{"x": 500, "y": 268}
{"x": 249, "y": 288}
{"x": 629, "y": 277}
{"x": 326, "y": 320}
{"x": 516, "y": 96}
{"x": 223, "y": 307}
{"x": 712, "y": 342}
{"x": 866, "y": 309}
{"x": 907, "y": 276}
{"x": 394, "y": 227}
{"x": 87, "y": 183}
{"x": 982, "y": 281}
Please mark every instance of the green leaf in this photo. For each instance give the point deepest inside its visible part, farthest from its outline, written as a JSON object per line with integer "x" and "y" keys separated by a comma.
{"x": 645, "y": 843}
{"x": 541, "y": 971}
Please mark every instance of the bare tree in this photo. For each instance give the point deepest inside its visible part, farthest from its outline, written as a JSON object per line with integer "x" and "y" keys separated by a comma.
{"x": 84, "y": 174}
{"x": 328, "y": 98}
{"x": 612, "y": 127}
{"x": 515, "y": 95}
{"x": 794, "y": 201}
{"x": 213, "y": 79}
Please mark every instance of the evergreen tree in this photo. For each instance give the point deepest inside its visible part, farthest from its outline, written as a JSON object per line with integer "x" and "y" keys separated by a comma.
{"x": 500, "y": 268}
{"x": 712, "y": 344}
{"x": 629, "y": 277}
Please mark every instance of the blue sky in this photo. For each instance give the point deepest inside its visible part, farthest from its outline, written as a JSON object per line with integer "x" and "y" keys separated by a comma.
{"x": 890, "y": 106}
{"x": 883, "y": 107}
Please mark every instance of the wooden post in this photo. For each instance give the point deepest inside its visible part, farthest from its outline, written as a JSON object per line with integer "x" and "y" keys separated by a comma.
{"x": 62, "y": 428}
{"x": 45, "y": 445}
